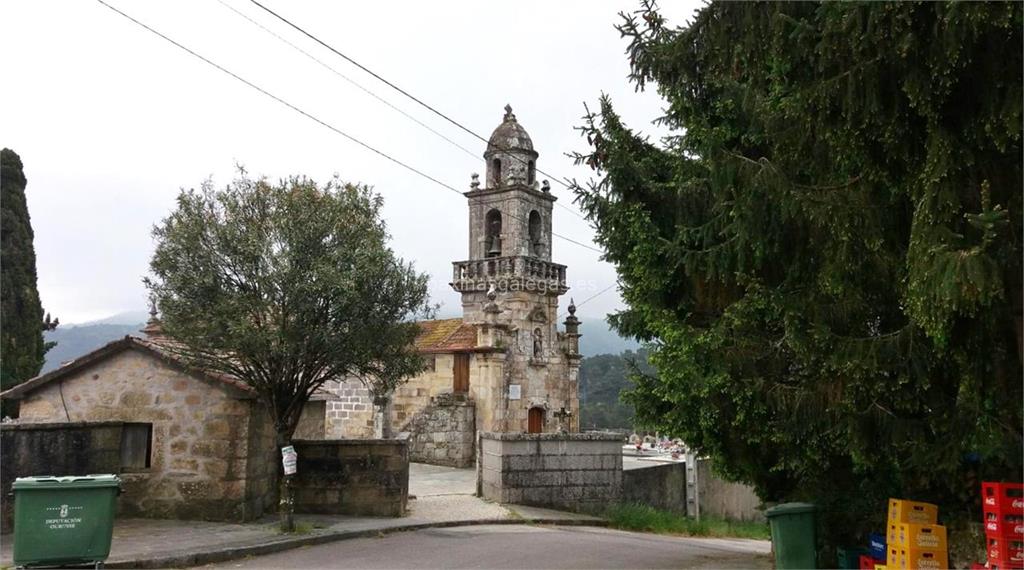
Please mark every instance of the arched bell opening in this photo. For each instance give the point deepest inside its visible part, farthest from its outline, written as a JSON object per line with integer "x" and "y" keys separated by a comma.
{"x": 492, "y": 234}
{"x": 536, "y": 240}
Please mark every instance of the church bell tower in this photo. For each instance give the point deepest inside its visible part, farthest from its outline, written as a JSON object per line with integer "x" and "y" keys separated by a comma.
{"x": 510, "y": 290}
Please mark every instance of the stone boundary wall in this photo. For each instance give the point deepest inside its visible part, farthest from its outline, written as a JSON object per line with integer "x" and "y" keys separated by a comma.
{"x": 352, "y": 477}
{"x": 444, "y": 433}
{"x": 579, "y": 472}
{"x": 659, "y": 486}
{"x": 80, "y": 448}
{"x": 721, "y": 498}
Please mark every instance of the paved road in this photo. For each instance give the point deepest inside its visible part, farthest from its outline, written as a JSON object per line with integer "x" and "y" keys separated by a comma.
{"x": 429, "y": 480}
{"x": 514, "y": 546}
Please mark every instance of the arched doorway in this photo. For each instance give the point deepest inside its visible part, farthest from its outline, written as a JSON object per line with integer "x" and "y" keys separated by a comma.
{"x": 535, "y": 423}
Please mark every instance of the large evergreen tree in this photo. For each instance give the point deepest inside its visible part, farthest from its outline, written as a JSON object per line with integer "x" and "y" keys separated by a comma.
{"x": 22, "y": 347}
{"x": 827, "y": 254}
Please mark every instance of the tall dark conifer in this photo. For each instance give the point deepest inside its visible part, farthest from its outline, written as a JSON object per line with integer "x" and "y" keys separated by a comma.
{"x": 826, "y": 255}
{"x": 21, "y": 317}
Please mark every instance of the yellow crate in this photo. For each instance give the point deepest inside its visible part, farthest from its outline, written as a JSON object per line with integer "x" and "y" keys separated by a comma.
{"x": 904, "y": 511}
{"x": 909, "y": 535}
{"x": 892, "y": 556}
{"x": 922, "y": 559}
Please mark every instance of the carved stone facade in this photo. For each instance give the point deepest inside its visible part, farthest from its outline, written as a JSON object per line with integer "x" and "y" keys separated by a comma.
{"x": 506, "y": 353}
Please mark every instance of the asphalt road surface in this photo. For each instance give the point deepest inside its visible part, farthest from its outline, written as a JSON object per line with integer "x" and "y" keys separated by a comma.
{"x": 520, "y": 546}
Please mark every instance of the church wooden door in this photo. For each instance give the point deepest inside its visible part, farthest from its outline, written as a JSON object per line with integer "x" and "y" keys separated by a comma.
{"x": 536, "y": 420}
{"x": 461, "y": 374}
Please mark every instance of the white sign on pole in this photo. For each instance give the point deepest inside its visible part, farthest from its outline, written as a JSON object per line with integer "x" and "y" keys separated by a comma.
{"x": 289, "y": 459}
{"x": 514, "y": 391}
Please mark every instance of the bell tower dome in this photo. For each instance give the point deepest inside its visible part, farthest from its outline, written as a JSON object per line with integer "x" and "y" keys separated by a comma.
{"x": 510, "y": 157}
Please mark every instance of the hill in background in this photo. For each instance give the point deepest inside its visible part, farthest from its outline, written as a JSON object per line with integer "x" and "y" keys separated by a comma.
{"x": 75, "y": 340}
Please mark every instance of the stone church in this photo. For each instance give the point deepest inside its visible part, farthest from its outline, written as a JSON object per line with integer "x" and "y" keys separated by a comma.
{"x": 506, "y": 365}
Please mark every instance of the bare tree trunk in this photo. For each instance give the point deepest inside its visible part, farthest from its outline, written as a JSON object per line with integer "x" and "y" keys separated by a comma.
{"x": 286, "y": 505}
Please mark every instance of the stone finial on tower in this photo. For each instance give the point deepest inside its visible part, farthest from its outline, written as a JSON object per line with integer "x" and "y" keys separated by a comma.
{"x": 509, "y": 115}
{"x": 154, "y": 328}
{"x": 474, "y": 181}
{"x": 545, "y": 186}
{"x": 572, "y": 330}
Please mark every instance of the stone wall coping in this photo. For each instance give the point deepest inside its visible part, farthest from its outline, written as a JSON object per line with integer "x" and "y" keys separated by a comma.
{"x": 587, "y": 436}
{"x": 18, "y": 426}
{"x": 349, "y": 442}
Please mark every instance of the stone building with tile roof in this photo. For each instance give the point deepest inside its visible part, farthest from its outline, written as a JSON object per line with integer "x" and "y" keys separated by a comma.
{"x": 505, "y": 365}
{"x": 192, "y": 444}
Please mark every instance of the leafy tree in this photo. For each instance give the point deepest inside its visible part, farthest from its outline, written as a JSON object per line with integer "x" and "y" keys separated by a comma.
{"x": 22, "y": 348}
{"x": 285, "y": 287}
{"x": 826, "y": 255}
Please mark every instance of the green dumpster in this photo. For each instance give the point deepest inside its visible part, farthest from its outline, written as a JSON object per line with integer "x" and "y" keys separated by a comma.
{"x": 64, "y": 520}
{"x": 792, "y": 527}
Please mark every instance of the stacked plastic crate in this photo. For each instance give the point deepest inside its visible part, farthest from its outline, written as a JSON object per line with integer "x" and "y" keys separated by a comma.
{"x": 1003, "y": 509}
{"x": 913, "y": 538}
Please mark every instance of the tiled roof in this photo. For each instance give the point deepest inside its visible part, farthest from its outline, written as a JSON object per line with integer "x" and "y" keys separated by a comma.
{"x": 162, "y": 349}
{"x": 445, "y": 335}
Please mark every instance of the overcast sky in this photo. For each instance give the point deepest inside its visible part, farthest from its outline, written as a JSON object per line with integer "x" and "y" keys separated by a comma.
{"x": 111, "y": 121}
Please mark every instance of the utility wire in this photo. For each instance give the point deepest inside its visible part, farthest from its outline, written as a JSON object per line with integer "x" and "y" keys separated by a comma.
{"x": 584, "y": 301}
{"x": 348, "y": 79}
{"x": 411, "y": 96}
{"x": 317, "y": 120}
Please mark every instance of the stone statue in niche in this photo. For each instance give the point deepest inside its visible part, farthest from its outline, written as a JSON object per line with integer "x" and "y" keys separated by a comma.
{"x": 538, "y": 343}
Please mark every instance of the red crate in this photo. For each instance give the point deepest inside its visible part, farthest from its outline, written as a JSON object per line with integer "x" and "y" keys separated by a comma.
{"x": 1004, "y": 551}
{"x": 1003, "y": 497}
{"x": 1007, "y": 525}
{"x": 865, "y": 562}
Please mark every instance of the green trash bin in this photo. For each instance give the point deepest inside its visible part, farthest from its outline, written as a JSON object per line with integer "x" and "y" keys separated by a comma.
{"x": 64, "y": 520}
{"x": 792, "y": 527}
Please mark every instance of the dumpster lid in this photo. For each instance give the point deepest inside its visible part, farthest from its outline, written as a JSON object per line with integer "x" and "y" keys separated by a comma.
{"x": 66, "y": 481}
{"x": 790, "y": 509}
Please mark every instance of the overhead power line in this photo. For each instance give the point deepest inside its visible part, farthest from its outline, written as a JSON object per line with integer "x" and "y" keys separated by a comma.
{"x": 400, "y": 90}
{"x": 347, "y": 79}
{"x": 314, "y": 118}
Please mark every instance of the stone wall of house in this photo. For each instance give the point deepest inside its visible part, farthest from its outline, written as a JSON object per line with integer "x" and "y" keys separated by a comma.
{"x": 350, "y": 411}
{"x": 579, "y": 472}
{"x": 263, "y": 465}
{"x": 30, "y": 450}
{"x": 313, "y": 420}
{"x": 203, "y": 435}
{"x": 363, "y": 478}
{"x": 660, "y": 486}
{"x": 444, "y": 433}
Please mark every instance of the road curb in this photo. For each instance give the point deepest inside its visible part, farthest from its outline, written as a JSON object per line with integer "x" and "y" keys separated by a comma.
{"x": 280, "y": 544}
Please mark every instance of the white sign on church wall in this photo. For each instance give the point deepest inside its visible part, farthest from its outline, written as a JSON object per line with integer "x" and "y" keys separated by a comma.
{"x": 513, "y": 392}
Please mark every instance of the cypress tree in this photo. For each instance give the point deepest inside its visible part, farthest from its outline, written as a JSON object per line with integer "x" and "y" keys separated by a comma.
{"x": 22, "y": 347}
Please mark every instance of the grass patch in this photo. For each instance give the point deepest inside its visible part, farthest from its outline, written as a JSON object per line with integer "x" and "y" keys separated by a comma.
{"x": 301, "y": 528}
{"x": 647, "y": 519}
